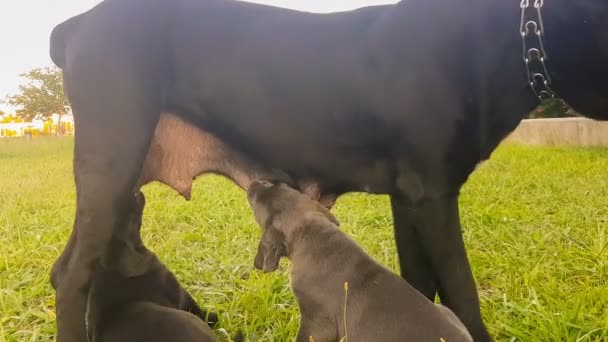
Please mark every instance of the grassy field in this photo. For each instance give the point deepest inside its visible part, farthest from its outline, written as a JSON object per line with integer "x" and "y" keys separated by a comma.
{"x": 535, "y": 223}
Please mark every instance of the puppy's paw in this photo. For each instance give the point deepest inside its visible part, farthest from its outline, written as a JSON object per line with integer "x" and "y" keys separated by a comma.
{"x": 239, "y": 337}
{"x": 210, "y": 317}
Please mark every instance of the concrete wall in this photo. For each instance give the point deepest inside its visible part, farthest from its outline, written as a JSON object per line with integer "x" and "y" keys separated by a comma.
{"x": 561, "y": 132}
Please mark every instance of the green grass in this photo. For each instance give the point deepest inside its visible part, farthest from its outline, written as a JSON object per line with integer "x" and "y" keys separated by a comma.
{"x": 535, "y": 223}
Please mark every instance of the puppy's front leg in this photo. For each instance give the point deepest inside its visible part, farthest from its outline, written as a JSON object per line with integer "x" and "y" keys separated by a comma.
{"x": 311, "y": 331}
{"x": 187, "y": 303}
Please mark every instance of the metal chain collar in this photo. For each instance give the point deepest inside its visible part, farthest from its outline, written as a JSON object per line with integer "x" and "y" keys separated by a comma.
{"x": 535, "y": 57}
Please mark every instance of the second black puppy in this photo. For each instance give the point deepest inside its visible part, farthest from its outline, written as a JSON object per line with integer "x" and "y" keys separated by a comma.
{"x": 149, "y": 307}
{"x": 341, "y": 291}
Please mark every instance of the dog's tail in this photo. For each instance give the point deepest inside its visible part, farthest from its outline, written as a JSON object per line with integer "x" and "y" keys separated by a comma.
{"x": 239, "y": 337}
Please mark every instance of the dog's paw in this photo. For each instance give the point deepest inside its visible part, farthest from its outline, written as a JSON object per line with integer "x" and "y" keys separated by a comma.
{"x": 211, "y": 318}
{"x": 239, "y": 337}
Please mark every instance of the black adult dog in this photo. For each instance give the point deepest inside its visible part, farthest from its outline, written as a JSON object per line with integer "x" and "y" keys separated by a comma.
{"x": 403, "y": 100}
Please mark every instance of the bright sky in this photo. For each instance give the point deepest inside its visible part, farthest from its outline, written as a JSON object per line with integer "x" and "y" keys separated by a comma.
{"x": 27, "y": 24}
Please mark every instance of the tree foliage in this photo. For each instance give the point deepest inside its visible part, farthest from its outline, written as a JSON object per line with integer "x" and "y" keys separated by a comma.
{"x": 41, "y": 96}
{"x": 11, "y": 119}
{"x": 553, "y": 108}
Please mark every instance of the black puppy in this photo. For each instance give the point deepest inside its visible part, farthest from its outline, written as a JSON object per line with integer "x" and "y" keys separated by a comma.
{"x": 342, "y": 291}
{"x": 151, "y": 306}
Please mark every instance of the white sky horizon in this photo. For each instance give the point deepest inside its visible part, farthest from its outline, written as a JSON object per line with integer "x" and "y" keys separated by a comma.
{"x": 27, "y": 25}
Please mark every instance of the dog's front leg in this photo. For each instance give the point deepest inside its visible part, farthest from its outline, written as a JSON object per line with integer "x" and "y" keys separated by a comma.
{"x": 187, "y": 303}
{"x": 90, "y": 248}
{"x": 438, "y": 226}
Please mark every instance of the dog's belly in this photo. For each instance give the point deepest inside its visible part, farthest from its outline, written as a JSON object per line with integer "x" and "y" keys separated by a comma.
{"x": 181, "y": 151}
{"x": 304, "y": 94}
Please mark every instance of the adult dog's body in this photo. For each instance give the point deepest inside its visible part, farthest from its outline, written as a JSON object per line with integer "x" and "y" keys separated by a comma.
{"x": 374, "y": 304}
{"x": 402, "y": 99}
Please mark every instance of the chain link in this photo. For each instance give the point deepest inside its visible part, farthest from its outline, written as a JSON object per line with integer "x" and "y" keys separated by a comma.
{"x": 535, "y": 58}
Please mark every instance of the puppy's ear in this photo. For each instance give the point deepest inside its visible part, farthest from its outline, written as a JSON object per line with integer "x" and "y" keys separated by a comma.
{"x": 270, "y": 251}
{"x": 127, "y": 260}
{"x": 327, "y": 214}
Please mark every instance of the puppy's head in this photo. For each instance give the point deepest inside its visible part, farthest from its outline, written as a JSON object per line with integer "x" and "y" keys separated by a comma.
{"x": 280, "y": 211}
{"x": 126, "y": 252}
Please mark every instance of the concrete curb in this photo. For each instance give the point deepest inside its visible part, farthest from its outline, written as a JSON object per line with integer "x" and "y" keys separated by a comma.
{"x": 561, "y": 132}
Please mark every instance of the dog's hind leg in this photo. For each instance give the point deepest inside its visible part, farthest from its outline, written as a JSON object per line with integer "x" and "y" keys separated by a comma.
{"x": 107, "y": 160}
{"x": 61, "y": 263}
{"x": 413, "y": 261}
{"x": 438, "y": 225}
{"x": 113, "y": 79}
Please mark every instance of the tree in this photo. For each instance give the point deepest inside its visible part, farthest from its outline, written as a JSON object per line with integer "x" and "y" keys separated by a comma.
{"x": 41, "y": 96}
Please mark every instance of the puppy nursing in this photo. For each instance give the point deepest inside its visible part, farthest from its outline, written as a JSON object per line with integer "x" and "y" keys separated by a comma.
{"x": 149, "y": 307}
{"x": 378, "y": 306}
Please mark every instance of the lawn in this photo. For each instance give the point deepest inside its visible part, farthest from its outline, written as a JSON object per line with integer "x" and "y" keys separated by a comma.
{"x": 535, "y": 222}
